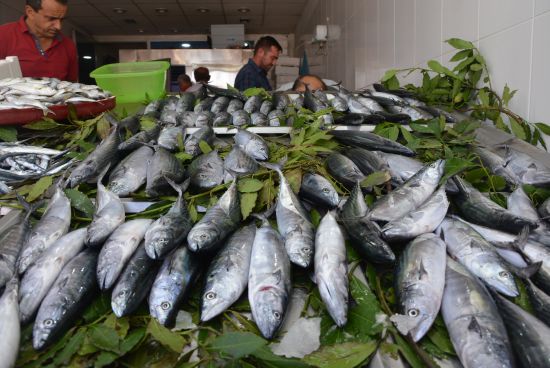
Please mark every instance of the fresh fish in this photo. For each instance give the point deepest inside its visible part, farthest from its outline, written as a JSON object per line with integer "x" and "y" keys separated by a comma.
{"x": 530, "y": 337}
{"x": 234, "y": 105}
{"x": 268, "y": 280}
{"x": 370, "y": 104}
{"x": 293, "y": 222}
{"x": 169, "y": 136}
{"x": 253, "y": 104}
{"x": 331, "y": 271}
{"x": 186, "y": 102}
{"x": 520, "y": 204}
{"x": 539, "y": 300}
{"x": 218, "y": 222}
{"x": 16, "y": 227}
{"x": 118, "y": 249}
{"x": 403, "y": 93}
{"x": 131, "y": 123}
{"x": 25, "y": 102}
{"x": 419, "y": 286}
{"x": 172, "y": 284}
{"x": 10, "y": 329}
{"x": 370, "y": 141}
{"x": 204, "y": 118}
{"x": 134, "y": 283}
{"x": 402, "y": 168}
{"x": 471, "y": 250}
{"x": 338, "y": 104}
{"x": 240, "y": 118}
{"x": 258, "y": 119}
{"x": 192, "y": 141}
{"x": 131, "y": 173}
{"x": 71, "y": 293}
{"x": 163, "y": 165}
{"x": 343, "y": 169}
{"x": 204, "y": 105}
{"x": 385, "y": 359}
{"x": 252, "y": 144}
{"x": 188, "y": 119}
{"x": 137, "y": 140}
{"x": 477, "y": 208}
{"x": 319, "y": 190}
{"x": 105, "y": 154}
{"x": 387, "y": 98}
{"x": 108, "y": 216}
{"x": 40, "y": 276}
{"x": 526, "y": 167}
{"x": 359, "y": 119}
{"x": 220, "y": 104}
{"x": 206, "y": 171}
{"x": 473, "y": 321}
{"x": 266, "y": 107}
{"x": 496, "y": 165}
{"x": 280, "y": 100}
{"x": 237, "y": 162}
{"x": 414, "y": 112}
{"x": 276, "y": 118}
{"x": 424, "y": 219}
{"x": 410, "y": 195}
{"x": 227, "y": 275}
{"x": 226, "y": 92}
{"x": 222, "y": 119}
{"x": 544, "y": 209}
{"x": 365, "y": 234}
{"x": 171, "y": 229}
{"x": 367, "y": 161}
{"x": 53, "y": 224}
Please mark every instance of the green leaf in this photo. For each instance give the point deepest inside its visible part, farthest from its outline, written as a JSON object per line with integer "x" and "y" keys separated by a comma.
{"x": 388, "y": 75}
{"x": 169, "y": 339}
{"x": 461, "y": 55}
{"x": 80, "y": 202}
{"x": 44, "y": 124}
{"x": 408, "y": 353}
{"x": 517, "y": 129}
{"x": 254, "y": 91}
{"x": 120, "y": 325}
{"x": 438, "y": 68}
{"x": 376, "y": 178}
{"x": 249, "y": 185}
{"x": 8, "y": 134}
{"x": 294, "y": 178}
{"x": 483, "y": 97}
{"x": 70, "y": 349}
{"x": 132, "y": 339}
{"x": 421, "y": 128}
{"x": 104, "y": 338}
{"x": 192, "y": 209}
{"x": 205, "y": 147}
{"x": 346, "y": 355}
{"x": 454, "y": 166}
{"x": 248, "y": 202}
{"x": 237, "y": 344}
{"x": 464, "y": 64}
{"x": 439, "y": 336}
{"x": 105, "y": 358}
{"x": 392, "y": 83}
{"x": 39, "y": 188}
{"x": 476, "y": 67}
{"x": 103, "y": 128}
{"x": 545, "y": 128}
{"x": 458, "y": 43}
{"x": 315, "y": 217}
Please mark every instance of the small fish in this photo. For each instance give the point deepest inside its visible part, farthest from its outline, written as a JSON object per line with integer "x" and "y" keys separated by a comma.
{"x": 10, "y": 329}
{"x": 258, "y": 119}
{"x": 253, "y": 104}
{"x": 343, "y": 169}
{"x": 240, "y": 118}
{"x": 237, "y": 162}
{"x": 266, "y": 107}
{"x": 234, "y": 105}
{"x": 220, "y": 104}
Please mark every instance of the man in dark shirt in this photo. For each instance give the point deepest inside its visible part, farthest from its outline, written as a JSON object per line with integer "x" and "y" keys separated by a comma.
{"x": 254, "y": 73}
{"x": 37, "y": 41}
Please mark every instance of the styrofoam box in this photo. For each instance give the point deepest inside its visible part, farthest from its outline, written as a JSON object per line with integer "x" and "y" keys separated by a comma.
{"x": 288, "y": 61}
{"x": 9, "y": 67}
{"x": 286, "y": 70}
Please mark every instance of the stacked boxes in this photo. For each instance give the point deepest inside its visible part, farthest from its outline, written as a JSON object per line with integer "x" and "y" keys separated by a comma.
{"x": 285, "y": 71}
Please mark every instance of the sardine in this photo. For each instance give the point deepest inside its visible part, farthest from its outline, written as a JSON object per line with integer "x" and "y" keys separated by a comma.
{"x": 16, "y": 228}
{"x": 319, "y": 190}
{"x": 227, "y": 275}
{"x": 131, "y": 173}
{"x": 10, "y": 330}
{"x": 118, "y": 249}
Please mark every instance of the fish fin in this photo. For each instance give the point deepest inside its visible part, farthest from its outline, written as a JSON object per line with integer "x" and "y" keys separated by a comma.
{"x": 180, "y": 188}
{"x": 475, "y": 327}
{"x": 29, "y": 207}
{"x": 276, "y": 166}
{"x": 526, "y": 272}
{"x": 103, "y": 173}
{"x": 518, "y": 244}
{"x": 264, "y": 216}
{"x": 421, "y": 271}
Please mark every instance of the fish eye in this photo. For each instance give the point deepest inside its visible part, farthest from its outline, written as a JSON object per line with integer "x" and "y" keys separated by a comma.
{"x": 306, "y": 250}
{"x": 504, "y": 274}
{"x": 210, "y": 295}
{"x": 165, "y": 305}
{"x": 413, "y": 312}
{"x": 326, "y": 190}
{"x": 48, "y": 323}
{"x": 277, "y": 315}
{"x": 203, "y": 236}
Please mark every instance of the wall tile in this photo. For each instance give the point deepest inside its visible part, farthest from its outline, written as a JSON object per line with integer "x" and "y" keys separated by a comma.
{"x": 508, "y": 57}
{"x": 404, "y": 33}
{"x": 386, "y": 39}
{"x": 460, "y": 20}
{"x": 360, "y": 61}
{"x": 497, "y": 15}
{"x": 539, "y": 106}
{"x": 428, "y": 30}
{"x": 541, "y": 6}
{"x": 371, "y": 38}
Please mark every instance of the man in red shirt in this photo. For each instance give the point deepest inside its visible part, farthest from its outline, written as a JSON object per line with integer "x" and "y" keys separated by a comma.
{"x": 37, "y": 41}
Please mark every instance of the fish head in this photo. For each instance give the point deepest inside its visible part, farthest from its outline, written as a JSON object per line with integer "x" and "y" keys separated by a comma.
{"x": 501, "y": 279}
{"x": 419, "y": 316}
{"x": 82, "y": 172}
{"x": 261, "y": 151}
{"x": 44, "y": 329}
{"x": 269, "y": 310}
{"x": 118, "y": 301}
{"x": 157, "y": 243}
{"x": 330, "y": 195}
{"x": 213, "y": 302}
{"x": 202, "y": 237}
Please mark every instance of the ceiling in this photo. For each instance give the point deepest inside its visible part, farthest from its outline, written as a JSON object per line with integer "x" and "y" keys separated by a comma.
{"x": 98, "y": 17}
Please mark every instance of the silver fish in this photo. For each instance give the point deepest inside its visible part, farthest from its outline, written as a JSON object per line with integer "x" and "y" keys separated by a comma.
{"x": 192, "y": 141}
{"x": 240, "y": 118}
{"x": 10, "y": 328}
{"x": 319, "y": 190}
{"x": 293, "y": 222}
{"x": 234, "y": 105}
{"x": 15, "y": 226}
{"x": 410, "y": 195}
{"x": 539, "y": 300}
{"x": 496, "y": 165}
{"x": 402, "y": 168}
{"x": 163, "y": 165}
{"x": 258, "y": 119}
{"x": 108, "y": 216}
{"x": 338, "y": 104}
{"x": 268, "y": 280}
{"x": 419, "y": 286}
{"x": 424, "y": 219}
{"x": 343, "y": 169}
{"x": 40, "y": 276}
{"x": 414, "y": 112}
{"x": 70, "y": 294}
{"x": 131, "y": 173}
{"x": 204, "y": 105}
{"x": 520, "y": 204}
{"x": 237, "y": 162}
{"x": 134, "y": 283}
{"x": 367, "y": 161}
{"x": 169, "y": 136}
{"x": 220, "y": 104}
{"x": 544, "y": 209}
{"x": 227, "y": 275}
{"x": 331, "y": 271}
{"x": 529, "y": 169}
{"x": 276, "y": 118}
{"x": 186, "y": 102}
{"x": 253, "y": 104}
{"x": 218, "y": 222}
{"x": 470, "y": 249}
{"x": 252, "y": 144}
{"x": 172, "y": 284}
{"x": 53, "y": 224}
{"x": 222, "y": 119}
{"x": 385, "y": 359}
{"x": 206, "y": 171}
{"x": 473, "y": 321}
{"x": 266, "y": 107}
{"x": 118, "y": 249}
{"x": 171, "y": 229}
{"x": 204, "y": 118}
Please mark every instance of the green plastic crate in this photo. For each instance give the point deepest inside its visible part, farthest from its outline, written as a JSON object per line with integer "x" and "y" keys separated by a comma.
{"x": 133, "y": 82}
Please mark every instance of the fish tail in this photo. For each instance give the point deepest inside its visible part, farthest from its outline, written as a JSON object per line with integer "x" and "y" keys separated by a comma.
{"x": 103, "y": 173}
{"x": 278, "y": 166}
{"x": 180, "y": 188}
{"x": 28, "y": 207}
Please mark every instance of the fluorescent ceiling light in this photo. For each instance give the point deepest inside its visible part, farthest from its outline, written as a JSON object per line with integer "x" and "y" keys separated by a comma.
{"x": 87, "y": 57}
{"x": 186, "y": 45}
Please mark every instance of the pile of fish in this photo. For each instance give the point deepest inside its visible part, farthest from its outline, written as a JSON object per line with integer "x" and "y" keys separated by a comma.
{"x": 41, "y": 93}
{"x": 457, "y": 252}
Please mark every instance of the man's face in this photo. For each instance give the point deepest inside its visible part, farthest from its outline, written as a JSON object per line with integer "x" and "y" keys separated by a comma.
{"x": 46, "y": 22}
{"x": 268, "y": 58}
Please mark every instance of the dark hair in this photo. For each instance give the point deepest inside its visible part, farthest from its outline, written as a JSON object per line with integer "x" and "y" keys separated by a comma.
{"x": 299, "y": 82}
{"x": 36, "y": 5}
{"x": 184, "y": 78}
{"x": 202, "y": 74}
{"x": 266, "y": 43}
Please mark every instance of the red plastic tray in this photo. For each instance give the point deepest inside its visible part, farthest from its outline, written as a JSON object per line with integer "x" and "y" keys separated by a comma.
{"x": 60, "y": 112}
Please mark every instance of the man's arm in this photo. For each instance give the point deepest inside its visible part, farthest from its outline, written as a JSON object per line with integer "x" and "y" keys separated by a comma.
{"x": 245, "y": 79}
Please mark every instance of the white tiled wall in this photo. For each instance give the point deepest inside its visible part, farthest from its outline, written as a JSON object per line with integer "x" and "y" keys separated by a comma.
{"x": 376, "y": 35}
